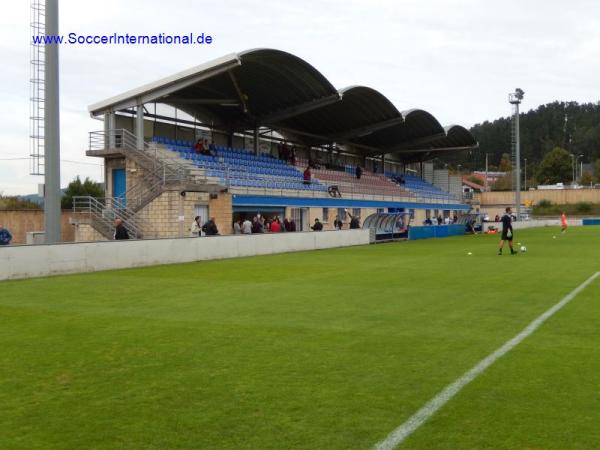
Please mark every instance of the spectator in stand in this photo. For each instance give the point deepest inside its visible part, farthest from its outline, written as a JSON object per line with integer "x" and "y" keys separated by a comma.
{"x": 354, "y": 221}
{"x": 455, "y": 219}
{"x": 337, "y": 223}
{"x": 246, "y": 226}
{"x": 293, "y": 155}
{"x": 428, "y": 221}
{"x": 210, "y": 227}
{"x": 237, "y": 227}
{"x": 267, "y": 225}
{"x": 497, "y": 218}
{"x": 5, "y": 236}
{"x": 199, "y": 147}
{"x": 447, "y": 220}
{"x": 212, "y": 148}
{"x": 358, "y": 172}
{"x": 318, "y": 226}
{"x": 257, "y": 226}
{"x": 120, "y": 230}
{"x": 276, "y": 226}
{"x": 307, "y": 175}
{"x": 440, "y": 220}
{"x": 287, "y": 226}
{"x": 284, "y": 152}
{"x": 292, "y": 225}
{"x": 196, "y": 228}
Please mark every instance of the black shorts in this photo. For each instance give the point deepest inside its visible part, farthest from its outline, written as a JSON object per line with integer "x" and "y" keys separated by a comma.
{"x": 505, "y": 237}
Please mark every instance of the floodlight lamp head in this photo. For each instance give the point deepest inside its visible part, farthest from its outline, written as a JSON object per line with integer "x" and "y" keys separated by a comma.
{"x": 516, "y": 97}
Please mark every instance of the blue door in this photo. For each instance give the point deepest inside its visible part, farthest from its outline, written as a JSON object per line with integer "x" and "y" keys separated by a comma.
{"x": 119, "y": 185}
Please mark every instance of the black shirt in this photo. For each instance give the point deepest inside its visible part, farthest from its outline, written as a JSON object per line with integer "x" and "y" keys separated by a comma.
{"x": 506, "y": 222}
{"x": 121, "y": 232}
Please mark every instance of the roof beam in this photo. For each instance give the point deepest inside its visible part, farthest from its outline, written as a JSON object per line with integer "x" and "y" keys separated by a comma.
{"x": 368, "y": 129}
{"x": 204, "y": 101}
{"x": 148, "y": 94}
{"x": 326, "y": 139}
{"x": 296, "y": 110}
{"x": 406, "y": 145}
{"x": 240, "y": 94}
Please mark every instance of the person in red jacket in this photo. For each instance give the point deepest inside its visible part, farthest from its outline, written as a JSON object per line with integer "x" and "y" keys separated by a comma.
{"x": 307, "y": 176}
{"x": 276, "y": 226}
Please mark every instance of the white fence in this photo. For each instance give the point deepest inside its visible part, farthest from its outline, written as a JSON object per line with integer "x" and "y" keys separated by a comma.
{"x": 44, "y": 260}
{"x": 533, "y": 224}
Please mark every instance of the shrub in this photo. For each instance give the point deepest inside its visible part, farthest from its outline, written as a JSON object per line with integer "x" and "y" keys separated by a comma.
{"x": 583, "y": 207}
{"x": 545, "y": 203}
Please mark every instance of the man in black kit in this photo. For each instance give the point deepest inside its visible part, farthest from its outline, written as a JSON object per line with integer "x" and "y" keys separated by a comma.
{"x": 507, "y": 232}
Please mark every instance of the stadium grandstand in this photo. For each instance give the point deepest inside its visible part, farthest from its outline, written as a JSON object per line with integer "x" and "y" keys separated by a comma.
{"x": 234, "y": 137}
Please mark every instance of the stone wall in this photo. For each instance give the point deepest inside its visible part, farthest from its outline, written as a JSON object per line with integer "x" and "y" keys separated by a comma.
{"x": 20, "y": 222}
{"x": 86, "y": 233}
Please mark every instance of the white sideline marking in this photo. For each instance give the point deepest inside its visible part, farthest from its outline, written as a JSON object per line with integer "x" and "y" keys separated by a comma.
{"x": 432, "y": 406}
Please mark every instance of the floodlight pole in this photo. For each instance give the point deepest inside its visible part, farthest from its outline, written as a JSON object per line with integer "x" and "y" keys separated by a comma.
{"x": 515, "y": 99}
{"x": 518, "y": 168}
{"x": 52, "y": 192}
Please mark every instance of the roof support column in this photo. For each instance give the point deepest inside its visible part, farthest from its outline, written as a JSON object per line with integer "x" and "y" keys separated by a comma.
{"x": 109, "y": 130}
{"x": 383, "y": 163}
{"x": 139, "y": 127}
{"x": 256, "y": 136}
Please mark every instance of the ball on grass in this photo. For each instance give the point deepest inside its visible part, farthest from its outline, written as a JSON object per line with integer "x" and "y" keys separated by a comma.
{"x": 523, "y": 249}
{"x": 469, "y": 253}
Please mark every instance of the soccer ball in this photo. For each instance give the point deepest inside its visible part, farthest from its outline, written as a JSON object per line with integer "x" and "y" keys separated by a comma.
{"x": 523, "y": 248}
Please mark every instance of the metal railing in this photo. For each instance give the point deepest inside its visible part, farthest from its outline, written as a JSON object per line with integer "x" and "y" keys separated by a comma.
{"x": 102, "y": 213}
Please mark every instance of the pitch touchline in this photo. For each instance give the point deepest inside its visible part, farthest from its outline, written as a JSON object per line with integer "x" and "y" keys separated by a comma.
{"x": 432, "y": 406}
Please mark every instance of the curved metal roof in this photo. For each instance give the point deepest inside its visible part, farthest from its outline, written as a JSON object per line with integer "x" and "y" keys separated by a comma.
{"x": 267, "y": 87}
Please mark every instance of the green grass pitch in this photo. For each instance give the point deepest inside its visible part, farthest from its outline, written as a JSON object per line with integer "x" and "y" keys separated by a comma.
{"x": 315, "y": 350}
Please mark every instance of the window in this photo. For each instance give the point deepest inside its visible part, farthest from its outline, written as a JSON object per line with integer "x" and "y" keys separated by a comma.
{"x": 356, "y": 212}
{"x": 380, "y": 210}
{"x": 325, "y": 215}
{"x": 342, "y": 214}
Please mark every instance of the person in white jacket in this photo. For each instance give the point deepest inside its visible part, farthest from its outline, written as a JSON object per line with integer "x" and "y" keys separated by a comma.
{"x": 196, "y": 228}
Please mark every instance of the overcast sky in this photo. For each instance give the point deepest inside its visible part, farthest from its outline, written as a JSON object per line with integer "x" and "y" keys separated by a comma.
{"x": 456, "y": 59}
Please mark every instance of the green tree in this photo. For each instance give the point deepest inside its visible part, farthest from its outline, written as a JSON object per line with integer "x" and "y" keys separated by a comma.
{"x": 505, "y": 163}
{"x": 556, "y": 167}
{"x": 78, "y": 188}
{"x": 597, "y": 168}
{"x": 587, "y": 178}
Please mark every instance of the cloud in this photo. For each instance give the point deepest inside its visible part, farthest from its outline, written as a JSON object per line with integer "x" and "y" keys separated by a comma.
{"x": 456, "y": 59}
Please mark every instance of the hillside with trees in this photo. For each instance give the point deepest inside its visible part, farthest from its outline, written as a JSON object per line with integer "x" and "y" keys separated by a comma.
{"x": 570, "y": 126}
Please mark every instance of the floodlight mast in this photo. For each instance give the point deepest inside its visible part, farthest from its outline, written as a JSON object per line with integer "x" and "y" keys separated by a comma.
{"x": 515, "y": 98}
{"x": 52, "y": 130}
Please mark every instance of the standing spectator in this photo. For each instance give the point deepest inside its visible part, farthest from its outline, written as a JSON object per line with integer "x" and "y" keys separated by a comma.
{"x": 293, "y": 155}
{"x": 497, "y": 218}
{"x": 440, "y": 220}
{"x": 196, "y": 228}
{"x": 318, "y": 226}
{"x": 199, "y": 147}
{"x": 287, "y": 225}
{"x": 5, "y": 236}
{"x": 447, "y": 220}
{"x": 237, "y": 227}
{"x": 120, "y": 230}
{"x": 247, "y": 226}
{"x": 257, "y": 226}
{"x": 354, "y": 221}
{"x": 210, "y": 227}
{"x": 455, "y": 219}
{"x": 292, "y": 225}
{"x": 307, "y": 175}
{"x": 358, "y": 172}
{"x": 428, "y": 221}
{"x": 276, "y": 226}
{"x": 337, "y": 223}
